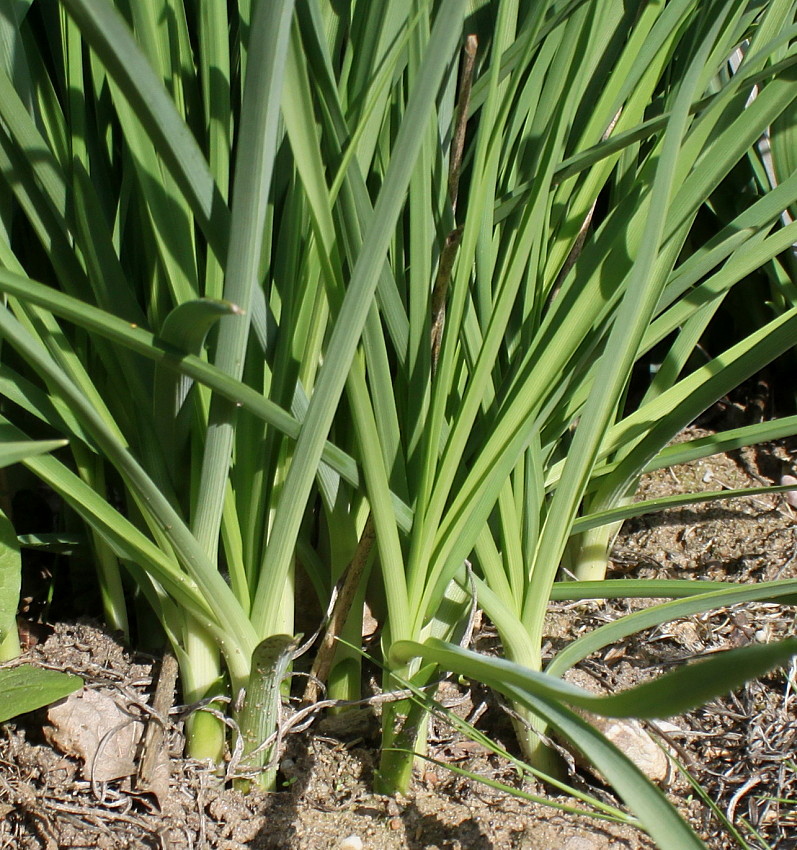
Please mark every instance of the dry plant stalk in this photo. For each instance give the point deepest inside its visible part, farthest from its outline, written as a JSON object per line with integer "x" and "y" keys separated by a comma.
{"x": 353, "y": 573}
{"x": 162, "y": 701}
{"x": 350, "y": 582}
{"x": 449, "y": 252}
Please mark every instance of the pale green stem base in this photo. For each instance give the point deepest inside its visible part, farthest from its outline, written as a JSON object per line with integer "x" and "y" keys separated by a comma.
{"x": 589, "y": 551}
{"x": 528, "y": 729}
{"x": 591, "y": 557}
{"x": 404, "y": 736}
{"x": 345, "y": 678}
{"x": 201, "y": 678}
{"x": 344, "y": 682}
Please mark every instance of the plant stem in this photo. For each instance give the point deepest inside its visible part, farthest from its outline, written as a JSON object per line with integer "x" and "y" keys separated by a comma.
{"x": 202, "y": 678}
{"x": 260, "y": 715}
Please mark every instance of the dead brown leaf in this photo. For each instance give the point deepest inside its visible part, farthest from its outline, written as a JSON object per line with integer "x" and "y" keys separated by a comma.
{"x": 92, "y": 726}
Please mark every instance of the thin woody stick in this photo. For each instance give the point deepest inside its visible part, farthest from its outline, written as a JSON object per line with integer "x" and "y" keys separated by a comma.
{"x": 449, "y": 252}
{"x": 353, "y": 573}
{"x": 162, "y": 701}
{"x": 440, "y": 292}
{"x": 578, "y": 244}
{"x": 458, "y": 140}
{"x": 340, "y": 612}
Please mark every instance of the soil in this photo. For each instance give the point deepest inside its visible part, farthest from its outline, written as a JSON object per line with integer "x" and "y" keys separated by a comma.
{"x": 739, "y": 749}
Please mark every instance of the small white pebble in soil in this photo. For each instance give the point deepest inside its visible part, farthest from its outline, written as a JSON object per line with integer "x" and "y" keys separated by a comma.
{"x": 351, "y": 842}
{"x": 580, "y": 842}
{"x": 790, "y": 495}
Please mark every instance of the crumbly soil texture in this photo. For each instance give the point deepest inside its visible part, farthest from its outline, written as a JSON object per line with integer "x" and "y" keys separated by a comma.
{"x": 740, "y": 751}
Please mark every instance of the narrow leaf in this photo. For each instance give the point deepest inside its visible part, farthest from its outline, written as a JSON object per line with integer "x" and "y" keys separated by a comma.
{"x": 673, "y": 693}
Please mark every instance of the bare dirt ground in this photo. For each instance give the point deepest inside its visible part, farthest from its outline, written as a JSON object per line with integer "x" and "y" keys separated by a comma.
{"x": 740, "y": 749}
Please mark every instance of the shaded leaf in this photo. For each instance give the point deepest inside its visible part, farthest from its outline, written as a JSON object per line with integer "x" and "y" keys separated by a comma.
{"x": 26, "y": 688}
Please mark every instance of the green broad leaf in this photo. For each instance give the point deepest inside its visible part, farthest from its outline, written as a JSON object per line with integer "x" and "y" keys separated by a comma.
{"x": 673, "y": 693}
{"x": 26, "y": 688}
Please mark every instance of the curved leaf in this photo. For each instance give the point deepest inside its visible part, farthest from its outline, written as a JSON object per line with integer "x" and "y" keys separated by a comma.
{"x": 776, "y": 591}
{"x": 545, "y": 698}
{"x": 148, "y": 345}
{"x": 16, "y": 451}
{"x": 186, "y": 328}
{"x": 672, "y": 693}
{"x": 667, "y": 503}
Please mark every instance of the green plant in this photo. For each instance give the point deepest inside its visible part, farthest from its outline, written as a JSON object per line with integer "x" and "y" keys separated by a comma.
{"x": 311, "y": 299}
{"x": 23, "y": 687}
{"x": 672, "y": 693}
{"x": 10, "y": 561}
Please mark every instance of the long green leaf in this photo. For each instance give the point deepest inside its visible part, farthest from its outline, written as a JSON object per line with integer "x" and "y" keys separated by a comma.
{"x": 673, "y": 693}
{"x": 668, "y": 503}
{"x": 778, "y": 591}
{"x": 145, "y": 343}
{"x": 105, "y": 30}
{"x": 254, "y": 164}
{"x": 353, "y": 314}
{"x": 533, "y": 690}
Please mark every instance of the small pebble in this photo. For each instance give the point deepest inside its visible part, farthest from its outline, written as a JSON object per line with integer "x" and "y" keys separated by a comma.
{"x": 430, "y": 777}
{"x": 790, "y": 495}
{"x": 351, "y": 842}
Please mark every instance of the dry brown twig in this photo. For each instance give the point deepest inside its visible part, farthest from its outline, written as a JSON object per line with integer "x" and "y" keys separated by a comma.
{"x": 451, "y": 246}
{"x": 162, "y": 701}
{"x": 352, "y": 576}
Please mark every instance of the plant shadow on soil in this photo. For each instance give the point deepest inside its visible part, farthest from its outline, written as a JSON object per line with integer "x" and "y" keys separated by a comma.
{"x": 351, "y": 739}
